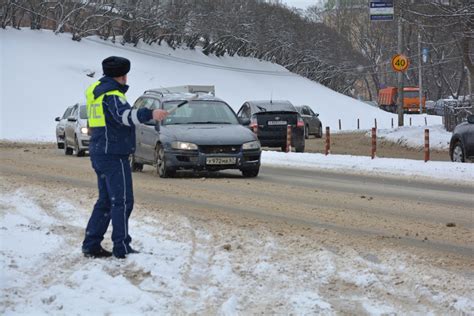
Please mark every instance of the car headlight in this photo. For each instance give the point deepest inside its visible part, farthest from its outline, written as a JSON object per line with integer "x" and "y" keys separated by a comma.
{"x": 84, "y": 130}
{"x": 184, "y": 146}
{"x": 251, "y": 145}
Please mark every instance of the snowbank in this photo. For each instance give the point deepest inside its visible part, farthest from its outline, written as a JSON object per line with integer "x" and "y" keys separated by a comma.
{"x": 412, "y": 136}
{"x": 184, "y": 268}
{"x": 392, "y": 166}
{"x": 43, "y": 73}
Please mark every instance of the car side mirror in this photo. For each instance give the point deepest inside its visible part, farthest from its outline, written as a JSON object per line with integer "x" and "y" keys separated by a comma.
{"x": 71, "y": 119}
{"x": 57, "y": 119}
{"x": 157, "y": 126}
{"x": 470, "y": 119}
{"x": 244, "y": 121}
{"x": 316, "y": 114}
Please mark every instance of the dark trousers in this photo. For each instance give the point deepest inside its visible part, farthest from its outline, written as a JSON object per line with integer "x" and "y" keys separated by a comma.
{"x": 115, "y": 203}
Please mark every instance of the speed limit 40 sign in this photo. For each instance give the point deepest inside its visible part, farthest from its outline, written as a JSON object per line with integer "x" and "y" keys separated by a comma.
{"x": 400, "y": 62}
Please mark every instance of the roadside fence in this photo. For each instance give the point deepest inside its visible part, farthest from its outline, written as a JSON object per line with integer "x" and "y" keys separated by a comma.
{"x": 410, "y": 120}
{"x": 373, "y": 152}
{"x": 453, "y": 115}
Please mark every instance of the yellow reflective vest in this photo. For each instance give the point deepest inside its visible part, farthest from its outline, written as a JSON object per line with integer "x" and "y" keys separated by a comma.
{"x": 95, "y": 108}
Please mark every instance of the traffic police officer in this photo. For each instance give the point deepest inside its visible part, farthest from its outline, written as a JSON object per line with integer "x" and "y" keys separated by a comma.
{"x": 112, "y": 123}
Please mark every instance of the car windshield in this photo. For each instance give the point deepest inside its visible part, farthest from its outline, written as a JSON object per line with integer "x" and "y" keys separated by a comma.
{"x": 276, "y": 107}
{"x": 411, "y": 94}
{"x": 66, "y": 113}
{"x": 83, "y": 112}
{"x": 200, "y": 112}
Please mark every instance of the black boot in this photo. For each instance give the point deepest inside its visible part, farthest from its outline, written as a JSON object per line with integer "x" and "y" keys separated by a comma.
{"x": 131, "y": 250}
{"x": 99, "y": 253}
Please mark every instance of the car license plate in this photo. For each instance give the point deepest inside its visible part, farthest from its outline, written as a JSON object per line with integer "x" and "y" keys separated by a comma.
{"x": 221, "y": 160}
{"x": 276, "y": 122}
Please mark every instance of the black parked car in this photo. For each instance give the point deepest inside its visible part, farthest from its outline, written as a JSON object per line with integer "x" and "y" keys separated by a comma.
{"x": 270, "y": 119}
{"x": 312, "y": 124}
{"x": 202, "y": 134}
{"x": 461, "y": 146}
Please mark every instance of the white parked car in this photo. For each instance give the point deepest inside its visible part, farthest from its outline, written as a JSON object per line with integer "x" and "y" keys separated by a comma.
{"x": 60, "y": 127}
{"x": 76, "y": 136}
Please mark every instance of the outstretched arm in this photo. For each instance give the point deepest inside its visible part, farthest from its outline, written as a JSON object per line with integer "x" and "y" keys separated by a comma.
{"x": 122, "y": 112}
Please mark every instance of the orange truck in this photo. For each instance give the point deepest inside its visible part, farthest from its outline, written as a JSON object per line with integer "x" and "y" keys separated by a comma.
{"x": 411, "y": 100}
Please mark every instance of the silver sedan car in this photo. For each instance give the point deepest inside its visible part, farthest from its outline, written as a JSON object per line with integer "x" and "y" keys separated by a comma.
{"x": 76, "y": 136}
{"x": 60, "y": 127}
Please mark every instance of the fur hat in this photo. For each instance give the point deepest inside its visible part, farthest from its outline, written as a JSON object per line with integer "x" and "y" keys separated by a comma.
{"x": 114, "y": 66}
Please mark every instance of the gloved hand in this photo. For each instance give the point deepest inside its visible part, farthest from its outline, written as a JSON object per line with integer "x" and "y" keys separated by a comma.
{"x": 159, "y": 115}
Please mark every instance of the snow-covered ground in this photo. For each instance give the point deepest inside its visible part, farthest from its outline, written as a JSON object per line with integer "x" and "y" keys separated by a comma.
{"x": 43, "y": 73}
{"x": 189, "y": 267}
{"x": 414, "y": 136}
{"x": 209, "y": 268}
{"x": 442, "y": 170}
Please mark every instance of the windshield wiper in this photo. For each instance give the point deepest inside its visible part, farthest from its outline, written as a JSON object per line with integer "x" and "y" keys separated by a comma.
{"x": 261, "y": 108}
{"x": 209, "y": 122}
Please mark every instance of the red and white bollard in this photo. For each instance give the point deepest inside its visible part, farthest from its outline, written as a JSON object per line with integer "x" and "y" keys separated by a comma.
{"x": 328, "y": 141}
{"x": 374, "y": 142}
{"x": 427, "y": 145}
{"x": 288, "y": 138}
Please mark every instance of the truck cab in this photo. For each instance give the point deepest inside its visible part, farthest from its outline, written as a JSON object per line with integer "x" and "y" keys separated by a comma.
{"x": 411, "y": 100}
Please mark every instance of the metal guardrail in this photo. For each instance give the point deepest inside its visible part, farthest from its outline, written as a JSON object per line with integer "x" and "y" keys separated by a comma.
{"x": 454, "y": 115}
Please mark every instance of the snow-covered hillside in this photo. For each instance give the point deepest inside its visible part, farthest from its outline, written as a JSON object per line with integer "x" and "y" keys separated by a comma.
{"x": 43, "y": 73}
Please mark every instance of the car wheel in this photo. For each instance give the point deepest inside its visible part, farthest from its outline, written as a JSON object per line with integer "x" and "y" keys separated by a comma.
{"x": 161, "y": 167}
{"x": 320, "y": 132}
{"x": 299, "y": 149}
{"x": 250, "y": 173}
{"x": 77, "y": 150}
{"x": 458, "y": 153}
{"x": 67, "y": 151}
{"x": 60, "y": 144}
{"x": 135, "y": 166}
{"x": 306, "y": 131}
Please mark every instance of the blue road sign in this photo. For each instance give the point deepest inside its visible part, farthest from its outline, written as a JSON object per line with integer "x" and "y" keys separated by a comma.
{"x": 381, "y": 17}
{"x": 384, "y": 4}
{"x": 381, "y": 10}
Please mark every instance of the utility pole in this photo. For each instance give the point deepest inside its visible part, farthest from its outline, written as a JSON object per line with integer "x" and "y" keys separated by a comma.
{"x": 400, "y": 74}
{"x": 420, "y": 80}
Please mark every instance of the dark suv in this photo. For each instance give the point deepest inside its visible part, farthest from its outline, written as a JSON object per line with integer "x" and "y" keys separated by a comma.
{"x": 461, "y": 146}
{"x": 270, "y": 120}
{"x": 202, "y": 132}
